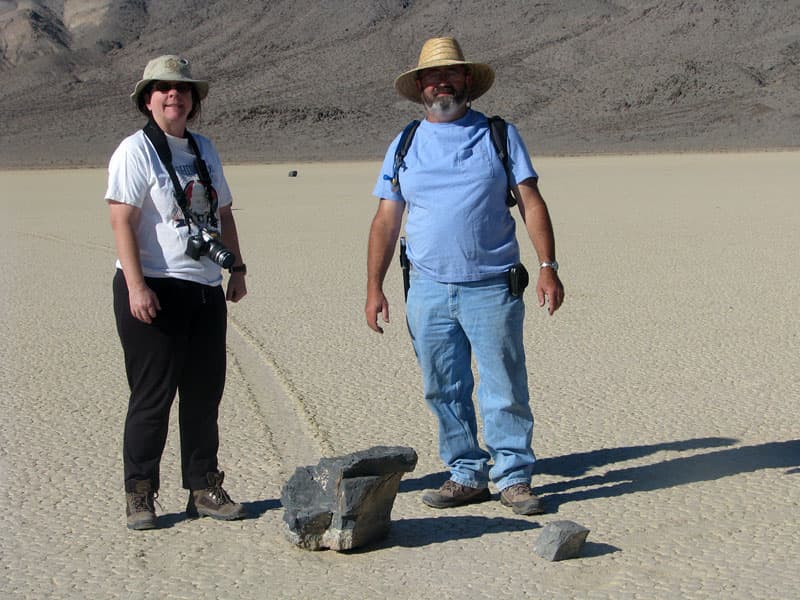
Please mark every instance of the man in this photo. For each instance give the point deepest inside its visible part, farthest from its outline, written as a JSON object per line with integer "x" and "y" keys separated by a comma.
{"x": 461, "y": 246}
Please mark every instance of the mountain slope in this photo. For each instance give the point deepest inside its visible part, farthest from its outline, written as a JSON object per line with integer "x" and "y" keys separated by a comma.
{"x": 307, "y": 80}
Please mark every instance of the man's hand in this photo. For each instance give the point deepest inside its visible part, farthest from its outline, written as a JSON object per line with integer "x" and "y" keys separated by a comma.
{"x": 382, "y": 239}
{"x": 377, "y": 304}
{"x": 549, "y": 289}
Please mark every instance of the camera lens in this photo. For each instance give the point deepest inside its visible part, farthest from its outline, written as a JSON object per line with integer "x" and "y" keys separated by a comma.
{"x": 220, "y": 254}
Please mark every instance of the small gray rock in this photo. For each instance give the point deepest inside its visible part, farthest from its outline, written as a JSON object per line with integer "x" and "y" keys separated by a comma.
{"x": 560, "y": 540}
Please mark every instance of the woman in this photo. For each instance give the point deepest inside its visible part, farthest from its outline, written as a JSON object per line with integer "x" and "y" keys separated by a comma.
{"x": 169, "y": 305}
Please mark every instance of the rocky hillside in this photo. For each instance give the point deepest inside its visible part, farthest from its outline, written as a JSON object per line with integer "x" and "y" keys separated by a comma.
{"x": 312, "y": 80}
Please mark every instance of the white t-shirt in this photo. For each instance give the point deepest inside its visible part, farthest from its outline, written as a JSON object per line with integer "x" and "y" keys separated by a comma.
{"x": 137, "y": 177}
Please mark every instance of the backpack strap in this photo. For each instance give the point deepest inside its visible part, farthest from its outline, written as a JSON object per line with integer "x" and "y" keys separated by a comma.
{"x": 402, "y": 149}
{"x": 498, "y": 129}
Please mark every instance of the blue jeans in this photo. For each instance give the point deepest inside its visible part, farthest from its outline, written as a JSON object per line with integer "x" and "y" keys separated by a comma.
{"x": 448, "y": 323}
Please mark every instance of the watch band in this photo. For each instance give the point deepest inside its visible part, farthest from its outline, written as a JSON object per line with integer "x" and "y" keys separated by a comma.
{"x": 239, "y": 269}
{"x": 549, "y": 263}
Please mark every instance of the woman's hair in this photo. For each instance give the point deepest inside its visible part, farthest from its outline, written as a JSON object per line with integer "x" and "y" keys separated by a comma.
{"x": 141, "y": 102}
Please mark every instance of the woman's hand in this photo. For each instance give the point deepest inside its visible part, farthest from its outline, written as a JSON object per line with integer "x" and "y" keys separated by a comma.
{"x": 144, "y": 303}
{"x": 237, "y": 288}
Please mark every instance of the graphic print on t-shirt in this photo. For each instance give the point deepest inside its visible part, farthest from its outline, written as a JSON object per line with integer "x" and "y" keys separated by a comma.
{"x": 201, "y": 204}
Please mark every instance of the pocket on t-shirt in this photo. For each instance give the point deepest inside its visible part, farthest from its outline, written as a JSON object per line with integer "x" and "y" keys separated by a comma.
{"x": 475, "y": 162}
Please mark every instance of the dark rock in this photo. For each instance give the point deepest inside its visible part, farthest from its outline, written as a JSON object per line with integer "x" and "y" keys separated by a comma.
{"x": 560, "y": 540}
{"x": 345, "y": 502}
{"x": 292, "y": 173}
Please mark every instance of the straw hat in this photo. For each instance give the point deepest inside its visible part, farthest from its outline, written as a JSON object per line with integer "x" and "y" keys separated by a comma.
{"x": 443, "y": 52}
{"x": 168, "y": 68}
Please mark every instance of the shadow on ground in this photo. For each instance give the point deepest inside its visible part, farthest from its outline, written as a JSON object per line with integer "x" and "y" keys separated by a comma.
{"x": 573, "y": 465}
{"x": 254, "y": 510}
{"x": 426, "y": 482}
{"x": 705, "y": 466}
{"x": 415, "y": 533}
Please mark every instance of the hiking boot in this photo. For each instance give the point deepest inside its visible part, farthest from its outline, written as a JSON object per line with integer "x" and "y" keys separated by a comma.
{"x": 522, "y": 500}
{"x": 214, "y": 501}
{"x": 454, "y": 494}
{"x": 140, "y": 507}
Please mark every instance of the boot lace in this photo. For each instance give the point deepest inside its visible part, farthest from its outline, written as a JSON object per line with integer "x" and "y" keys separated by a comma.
{"x": 519, "y": 489}
{"x": 145, "y": 502}
{"x": 452, "y": 487}
{"x": 218, "y": 493}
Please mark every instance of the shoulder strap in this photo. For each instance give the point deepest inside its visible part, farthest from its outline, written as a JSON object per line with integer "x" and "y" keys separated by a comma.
{"x": 402, "y": 149}
{"x": 499, "y": 134}
{"x": 199, "y": 163}
{"x": 498, "y": 130}
{"x": 159, "y": 140}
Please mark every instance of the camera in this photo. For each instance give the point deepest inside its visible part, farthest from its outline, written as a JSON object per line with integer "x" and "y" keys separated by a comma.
{"x": 205, "y": 243}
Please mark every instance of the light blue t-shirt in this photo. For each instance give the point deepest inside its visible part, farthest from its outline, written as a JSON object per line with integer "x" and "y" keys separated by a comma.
{"x": 458, "y": 227}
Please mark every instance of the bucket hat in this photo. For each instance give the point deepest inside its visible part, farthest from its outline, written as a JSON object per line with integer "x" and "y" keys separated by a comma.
{"x": 168, "y": 67}
{"x": 444, "y": 52}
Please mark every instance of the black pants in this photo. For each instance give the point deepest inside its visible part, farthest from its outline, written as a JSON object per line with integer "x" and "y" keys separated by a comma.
{"x": 182, "y": 350}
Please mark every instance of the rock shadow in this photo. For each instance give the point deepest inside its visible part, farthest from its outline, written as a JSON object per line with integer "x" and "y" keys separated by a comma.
{"x": 419, "y": 532}
{"x": 426, "y": 482}
{"x": 594, "y": 549}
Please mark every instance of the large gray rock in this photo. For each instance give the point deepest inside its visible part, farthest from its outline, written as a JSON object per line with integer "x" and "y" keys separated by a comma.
{"x": 560, "y": 540}
{"x": 345, "y": 502}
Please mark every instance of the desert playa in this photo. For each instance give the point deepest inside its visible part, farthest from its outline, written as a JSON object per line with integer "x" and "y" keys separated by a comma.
{"x": 665, "y": 393}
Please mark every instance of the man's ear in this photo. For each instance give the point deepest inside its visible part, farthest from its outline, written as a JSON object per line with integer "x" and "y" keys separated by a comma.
{"x": 468, "y": 80}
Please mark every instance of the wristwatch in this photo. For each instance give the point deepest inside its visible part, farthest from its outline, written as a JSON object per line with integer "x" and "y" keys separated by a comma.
{"x": 239, "y": 269}
{"x": 549, "y": 263}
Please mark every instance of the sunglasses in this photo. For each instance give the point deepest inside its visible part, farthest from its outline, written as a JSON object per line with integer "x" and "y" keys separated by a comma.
{"x": 179, "y": 86}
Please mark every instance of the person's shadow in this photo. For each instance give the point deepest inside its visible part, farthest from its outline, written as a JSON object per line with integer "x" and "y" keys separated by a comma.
{"x": 573, "y": 465}
{"x": 616, "y": 482}
{"x": 707, "y": 466}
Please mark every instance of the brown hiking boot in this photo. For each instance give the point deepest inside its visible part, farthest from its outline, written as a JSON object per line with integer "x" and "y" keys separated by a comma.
{"x": 521, "y": 499}
{"x": 140, "y": 507}
{"x": 214, "y": 501}
{"x": 454, "y": 494}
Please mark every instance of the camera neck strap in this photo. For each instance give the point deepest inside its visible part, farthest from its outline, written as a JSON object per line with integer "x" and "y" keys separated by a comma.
{"x": 159, "y": 140}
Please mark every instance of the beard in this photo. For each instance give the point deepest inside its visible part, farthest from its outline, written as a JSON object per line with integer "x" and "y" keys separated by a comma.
{"x": 446, "y": 106}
